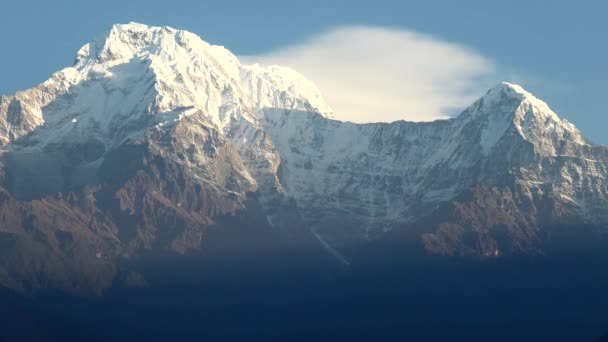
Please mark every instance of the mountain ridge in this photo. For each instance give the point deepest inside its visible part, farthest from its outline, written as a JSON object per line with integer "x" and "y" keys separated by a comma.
{"x": 158, "y": 136}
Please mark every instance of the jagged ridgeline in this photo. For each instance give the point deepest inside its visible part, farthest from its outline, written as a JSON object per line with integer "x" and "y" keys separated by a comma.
{"x": 155, "y": 144}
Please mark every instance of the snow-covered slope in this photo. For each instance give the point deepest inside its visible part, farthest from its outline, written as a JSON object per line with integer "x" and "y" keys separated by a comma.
{"x": 350, "y": 182}
{"x": 354, "y": 182}
{"x": 137, "y": 76}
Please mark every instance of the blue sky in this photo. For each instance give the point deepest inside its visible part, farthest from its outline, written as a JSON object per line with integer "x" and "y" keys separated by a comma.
{"x": 557, "y": 50}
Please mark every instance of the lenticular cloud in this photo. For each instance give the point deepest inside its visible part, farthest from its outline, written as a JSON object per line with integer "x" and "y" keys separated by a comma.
{"x": 370, "y": 74}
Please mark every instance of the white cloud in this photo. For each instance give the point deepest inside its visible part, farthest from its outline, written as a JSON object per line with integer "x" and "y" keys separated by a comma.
{"x": 372, "y": 74}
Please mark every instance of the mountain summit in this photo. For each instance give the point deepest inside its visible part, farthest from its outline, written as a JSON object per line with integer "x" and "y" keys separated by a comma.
{"x": 156, "y": 142}
{"x": 510, "y": 107}
{"x": 136, "y": 76}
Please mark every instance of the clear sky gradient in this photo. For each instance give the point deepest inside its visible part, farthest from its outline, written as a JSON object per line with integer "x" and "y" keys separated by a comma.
{"x": 558, "y": 50}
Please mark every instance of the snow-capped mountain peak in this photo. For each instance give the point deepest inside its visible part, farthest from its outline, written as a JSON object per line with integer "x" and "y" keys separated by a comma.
{"x": 190, "y": 72}
{"x": 138, "y": 75}
{"x": 509, "y": 108}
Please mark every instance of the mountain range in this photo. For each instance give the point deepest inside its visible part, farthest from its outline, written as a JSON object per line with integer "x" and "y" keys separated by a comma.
{"x": 156, "y": 145}
{"x": 154, "y": 133}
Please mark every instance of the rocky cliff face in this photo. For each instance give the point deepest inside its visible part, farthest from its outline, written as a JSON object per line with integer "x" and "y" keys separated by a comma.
{"x": 356, "y": 182}
{"x": 154, "y": 137}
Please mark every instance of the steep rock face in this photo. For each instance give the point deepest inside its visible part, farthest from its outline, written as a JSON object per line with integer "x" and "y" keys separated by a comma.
{"x": 354, "y": 182}
{"x": 63, "y": 242}
{"x": 172, "y": 182}
{"x": 160, "y": 194}
{"x": 485, "y": 221}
